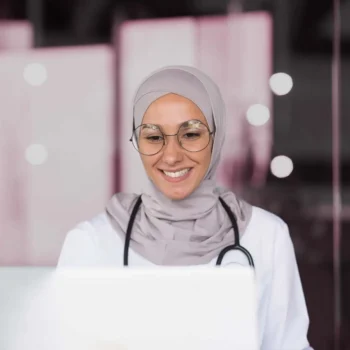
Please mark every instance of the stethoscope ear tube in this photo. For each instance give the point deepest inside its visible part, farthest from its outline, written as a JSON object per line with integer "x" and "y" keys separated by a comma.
{"x": 129, "y": 230}
{"x": 233, "y": 221}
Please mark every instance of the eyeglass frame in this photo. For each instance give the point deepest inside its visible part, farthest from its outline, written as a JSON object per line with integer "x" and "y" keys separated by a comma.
{"x": 211, "y": 133}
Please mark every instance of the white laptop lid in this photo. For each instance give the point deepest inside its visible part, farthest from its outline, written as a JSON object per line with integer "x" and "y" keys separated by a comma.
{"x": 133, "y": 309}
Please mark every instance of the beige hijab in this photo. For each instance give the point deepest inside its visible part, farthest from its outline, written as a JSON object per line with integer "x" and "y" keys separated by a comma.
{"x": 194, "y": 230}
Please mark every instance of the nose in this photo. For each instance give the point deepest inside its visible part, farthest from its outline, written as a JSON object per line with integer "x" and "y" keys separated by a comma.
{"x": 172, "y": 151}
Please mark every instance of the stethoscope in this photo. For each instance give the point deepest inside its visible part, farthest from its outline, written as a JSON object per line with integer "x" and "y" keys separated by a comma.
{"x": 235, "y": 246}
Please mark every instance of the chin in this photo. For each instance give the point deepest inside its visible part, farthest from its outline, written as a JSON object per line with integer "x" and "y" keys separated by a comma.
{"x": 177, "y": 194}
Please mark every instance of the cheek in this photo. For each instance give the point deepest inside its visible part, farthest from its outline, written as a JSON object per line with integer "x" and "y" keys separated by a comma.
{"x": 207, "y": 159}
{"x": 207, "y": 155}
{"x": 203, "y": 160}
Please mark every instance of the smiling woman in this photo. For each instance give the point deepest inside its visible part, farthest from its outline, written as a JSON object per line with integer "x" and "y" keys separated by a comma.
{"x": 174, "y": 145}
{"x": 184, "y": 217}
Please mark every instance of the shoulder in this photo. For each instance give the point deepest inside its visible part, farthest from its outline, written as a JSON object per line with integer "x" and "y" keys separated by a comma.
{"x": 261, "y": 220}
{"x": 87, "y": 229}
{"x": 267, "y": 220}
{"x": 272, "y": 239}
{"x": 100, "y": 221}
{"x": 86, "y": 239}
{"x": 269, "y": 233}
{"x": 79, "y": 247}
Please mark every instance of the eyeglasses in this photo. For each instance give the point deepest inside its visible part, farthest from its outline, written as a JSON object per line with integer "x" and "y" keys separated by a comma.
{"x": 193, "y": 136}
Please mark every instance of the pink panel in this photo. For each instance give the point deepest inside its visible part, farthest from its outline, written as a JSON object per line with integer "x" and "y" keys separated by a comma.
{"x": 213, "y": 54}
{"x": 144, "y": 47}
{"x": 257, "y": 74}
{"x": 14, "y": 172}
{"x": 15, "y": 35}
{"x": 71, "y": 114}
{"x": 241, "y": 63}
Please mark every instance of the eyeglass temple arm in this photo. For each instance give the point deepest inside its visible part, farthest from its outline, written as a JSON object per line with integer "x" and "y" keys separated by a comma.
{"x": 133, "y": 128}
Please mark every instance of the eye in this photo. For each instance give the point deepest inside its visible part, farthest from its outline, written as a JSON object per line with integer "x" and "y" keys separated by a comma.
{"x": 191, "y": 135}
{"x": 155, "y": 138}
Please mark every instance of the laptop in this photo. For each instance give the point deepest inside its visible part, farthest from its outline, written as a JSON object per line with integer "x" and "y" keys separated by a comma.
{"x": 195, "y": 308}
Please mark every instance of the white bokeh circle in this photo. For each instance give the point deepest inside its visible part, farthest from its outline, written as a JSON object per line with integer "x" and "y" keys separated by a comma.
{"x": 36, "y": 154}
{"x": 281, "y": 83}
{"x": 281, "y": 166}
{"x": 258, "y": 115}
{"x": 35, "y": 74}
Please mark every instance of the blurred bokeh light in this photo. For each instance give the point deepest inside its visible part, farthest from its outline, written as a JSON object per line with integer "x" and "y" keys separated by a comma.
{"x": 35, "y": 74}
{"x": 36, "y": 154}
{"x": 281, "y": 166}
{"x": 258, "y": 115}
{"x": 281, "y": 83}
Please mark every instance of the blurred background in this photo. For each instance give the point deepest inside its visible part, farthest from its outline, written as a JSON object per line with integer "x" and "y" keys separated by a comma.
{"x": 68, "y": 72}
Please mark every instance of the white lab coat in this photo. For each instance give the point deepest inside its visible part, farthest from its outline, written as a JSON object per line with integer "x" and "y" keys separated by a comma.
{"x": 282, "y": 314}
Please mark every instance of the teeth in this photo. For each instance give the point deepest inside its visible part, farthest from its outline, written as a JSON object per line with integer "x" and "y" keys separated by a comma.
{"x": 177, "y": 174}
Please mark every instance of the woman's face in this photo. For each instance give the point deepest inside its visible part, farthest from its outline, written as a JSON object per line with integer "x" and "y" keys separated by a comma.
{"x": 170, "y": 112}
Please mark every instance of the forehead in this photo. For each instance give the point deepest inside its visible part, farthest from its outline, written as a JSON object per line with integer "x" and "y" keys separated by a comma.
{"x": 172, "y": 110}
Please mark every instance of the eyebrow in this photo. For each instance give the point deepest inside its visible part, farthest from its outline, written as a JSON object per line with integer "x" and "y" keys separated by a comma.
{"x": 151, "y": 126}
{"x": 190, "y": 122}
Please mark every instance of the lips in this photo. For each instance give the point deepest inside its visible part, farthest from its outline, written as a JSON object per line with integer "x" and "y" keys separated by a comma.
{"x": 176, "y": 176}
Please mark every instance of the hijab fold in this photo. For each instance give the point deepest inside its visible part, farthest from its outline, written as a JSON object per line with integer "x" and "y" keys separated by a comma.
{"x": 194, "y": 230}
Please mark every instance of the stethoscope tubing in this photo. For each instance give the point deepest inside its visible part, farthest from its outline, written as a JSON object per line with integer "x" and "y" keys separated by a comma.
{"x": 235, "y": 246}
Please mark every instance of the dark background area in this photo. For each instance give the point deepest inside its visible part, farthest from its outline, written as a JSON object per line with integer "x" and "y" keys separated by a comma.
{"x": 309, "y": 30}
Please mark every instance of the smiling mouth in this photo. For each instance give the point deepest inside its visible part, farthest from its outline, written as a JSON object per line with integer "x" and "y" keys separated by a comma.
{"x": 176, "y": 176}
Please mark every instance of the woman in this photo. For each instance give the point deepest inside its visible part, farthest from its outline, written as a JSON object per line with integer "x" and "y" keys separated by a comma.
{"x": 178, "y": 129}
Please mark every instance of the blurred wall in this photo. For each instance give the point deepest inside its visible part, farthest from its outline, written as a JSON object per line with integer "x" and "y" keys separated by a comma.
{"x": 57, "y": 147}
{"x": 15, "y": 35}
